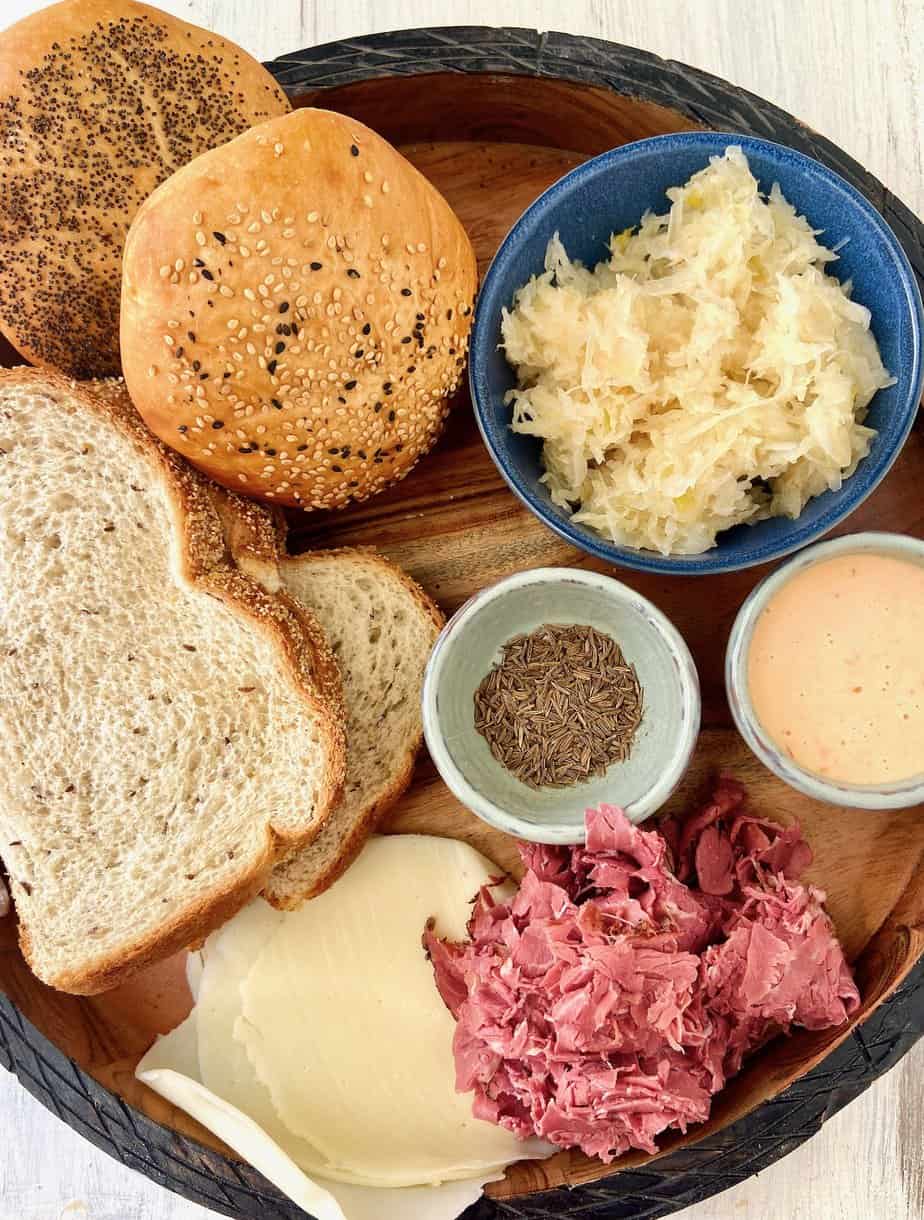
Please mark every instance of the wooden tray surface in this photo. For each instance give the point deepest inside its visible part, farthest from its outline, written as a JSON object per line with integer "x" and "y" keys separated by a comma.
{"x": 493, "y": 117}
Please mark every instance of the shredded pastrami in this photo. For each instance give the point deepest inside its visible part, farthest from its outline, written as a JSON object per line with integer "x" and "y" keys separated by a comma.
{"x": 615, "y": 993}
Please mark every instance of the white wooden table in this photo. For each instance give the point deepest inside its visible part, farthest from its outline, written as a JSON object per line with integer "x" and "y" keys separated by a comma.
{"x": 849, "y": 68}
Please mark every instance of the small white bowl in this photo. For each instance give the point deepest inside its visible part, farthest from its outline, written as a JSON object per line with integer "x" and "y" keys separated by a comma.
{"x": 900, "y": 795}
{"x": 470, "y": 645}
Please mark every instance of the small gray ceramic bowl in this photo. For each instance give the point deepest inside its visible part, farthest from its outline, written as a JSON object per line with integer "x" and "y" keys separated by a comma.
{"x": 470, "y": 645}
{"x": 900, "y": 795}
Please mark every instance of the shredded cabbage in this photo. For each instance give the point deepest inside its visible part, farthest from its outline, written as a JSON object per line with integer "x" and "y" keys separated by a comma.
{"x": 709, "y": 373}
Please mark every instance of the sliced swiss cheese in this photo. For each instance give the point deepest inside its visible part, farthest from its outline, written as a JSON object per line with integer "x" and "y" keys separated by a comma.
{"x": 343, "y": 1023}
{"x": 224, "y": 1066}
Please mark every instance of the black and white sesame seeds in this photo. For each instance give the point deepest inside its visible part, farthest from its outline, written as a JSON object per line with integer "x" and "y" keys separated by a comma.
{"x": 304, "y": 361}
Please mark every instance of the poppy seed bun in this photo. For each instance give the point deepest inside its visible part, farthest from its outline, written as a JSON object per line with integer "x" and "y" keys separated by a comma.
{"x": 100, "y": 100}
{"x": 306, "y": 351}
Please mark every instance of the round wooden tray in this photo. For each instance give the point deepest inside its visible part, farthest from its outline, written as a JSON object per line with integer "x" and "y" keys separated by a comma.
{"x": 493, "y": 117}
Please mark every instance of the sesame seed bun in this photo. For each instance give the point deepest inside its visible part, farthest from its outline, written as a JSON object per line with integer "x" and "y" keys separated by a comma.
{"x": 100, "y": 100}
{"x": 319, "y": 323}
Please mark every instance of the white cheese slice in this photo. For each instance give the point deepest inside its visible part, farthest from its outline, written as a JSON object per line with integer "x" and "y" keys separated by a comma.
{"x": 165, "y": 1070}
{"x": 247, "y": 1138}
{"x": 195, "y": 964}
{"x": 343, "y": 1023}
{"x": 202, "y": 1069}
{"x": 224, "y": 1066}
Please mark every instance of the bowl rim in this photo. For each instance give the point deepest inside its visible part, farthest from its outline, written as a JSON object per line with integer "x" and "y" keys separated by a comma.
{"x": 708, "y": 562}
{"x": 901, "y": 794}
{"x": 570, "y": 831}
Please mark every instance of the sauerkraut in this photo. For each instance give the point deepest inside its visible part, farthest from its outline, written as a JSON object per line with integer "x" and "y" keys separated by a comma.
{"x": 708, "y": 373}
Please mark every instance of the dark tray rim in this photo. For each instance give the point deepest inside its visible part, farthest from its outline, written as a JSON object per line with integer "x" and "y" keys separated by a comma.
{"x": 691, "y": 1174}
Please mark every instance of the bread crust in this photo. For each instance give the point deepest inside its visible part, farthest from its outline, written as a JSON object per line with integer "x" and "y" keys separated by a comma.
{"x": 325, "y": 298}
{"x": 101, "y": 100}
{"x": 207, "y": 563}
{"x": 255, "y": 540}
{"x": 255, "y": 534}
{"x": 280, "y": 890}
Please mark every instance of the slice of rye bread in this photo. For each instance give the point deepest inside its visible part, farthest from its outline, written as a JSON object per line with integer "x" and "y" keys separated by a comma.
{"x": 169, "y": 729}
{"x": 382, "y": 626}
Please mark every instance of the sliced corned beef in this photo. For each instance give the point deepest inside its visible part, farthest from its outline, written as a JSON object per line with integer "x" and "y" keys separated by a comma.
{"x": 619, "y": 988}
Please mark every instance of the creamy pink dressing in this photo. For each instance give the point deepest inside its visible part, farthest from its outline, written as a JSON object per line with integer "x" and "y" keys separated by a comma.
{"x": 836, "y": 669}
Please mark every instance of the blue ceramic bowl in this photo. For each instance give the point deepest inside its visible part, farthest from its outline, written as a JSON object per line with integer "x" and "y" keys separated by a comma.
{"x": 610, "y": 193}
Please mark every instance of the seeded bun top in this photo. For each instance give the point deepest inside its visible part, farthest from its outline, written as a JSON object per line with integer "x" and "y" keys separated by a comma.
{"x": 295, "y": 311}
{"x": 100, "y": 100}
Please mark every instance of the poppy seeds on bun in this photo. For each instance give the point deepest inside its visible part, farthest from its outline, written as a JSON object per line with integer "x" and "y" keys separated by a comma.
{"x": 100, "y": 100}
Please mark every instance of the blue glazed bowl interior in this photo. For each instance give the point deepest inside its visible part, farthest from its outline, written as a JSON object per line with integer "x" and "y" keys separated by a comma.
{"x": 610, "y": 193}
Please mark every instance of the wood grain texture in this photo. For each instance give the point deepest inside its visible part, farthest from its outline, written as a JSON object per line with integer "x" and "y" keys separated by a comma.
{"x": 453, "y": 523}
{"x": 845, "y": 66}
